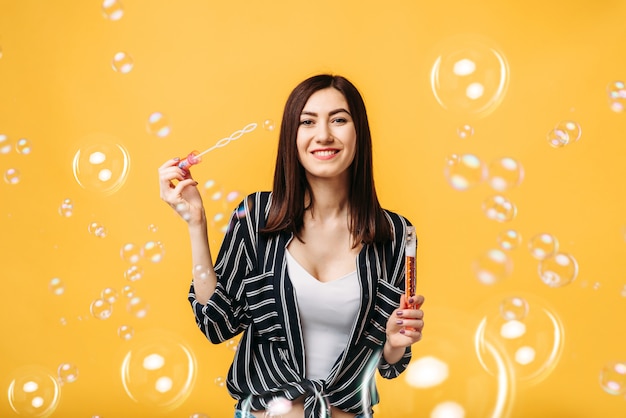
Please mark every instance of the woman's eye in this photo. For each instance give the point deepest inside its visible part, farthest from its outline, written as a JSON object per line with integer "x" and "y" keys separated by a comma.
{"x": 340, "y": 120}
{"x": 306, "y": 122}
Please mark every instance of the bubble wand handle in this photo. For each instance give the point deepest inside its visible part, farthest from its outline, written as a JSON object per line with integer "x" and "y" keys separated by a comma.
{"x": 195, "y": 157}
{"x": 410, "y": 252}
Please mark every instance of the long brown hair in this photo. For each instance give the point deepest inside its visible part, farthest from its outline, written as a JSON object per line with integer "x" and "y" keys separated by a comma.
{"x": 368, "y": 222}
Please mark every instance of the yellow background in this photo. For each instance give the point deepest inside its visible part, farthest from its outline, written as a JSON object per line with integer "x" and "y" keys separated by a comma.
{"x": 213, "y": 67}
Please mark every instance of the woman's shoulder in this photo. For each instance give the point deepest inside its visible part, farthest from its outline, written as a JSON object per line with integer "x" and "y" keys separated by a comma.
{"x": 397, "y": 220}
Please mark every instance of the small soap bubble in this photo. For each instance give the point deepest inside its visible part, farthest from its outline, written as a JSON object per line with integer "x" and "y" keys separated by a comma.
{"x": 137, "y": 307}
{"x": 66, "y": 208}
{"x": 558, "y": 270}
{"x": 153, "y": 228}
{"x": 543, "y": 245}
{"x": 200, "y": 272}
{"x": 464, "y": 171}
{"x": 505, "y": 173}
{"x": 122, "y": 62}
{"x": 67, "y": 373}
{"x": 97, "y": 230}
{"x": 101, "y": 164}
{"x": 133, "y": 273}
{"x": 558, "y": 138}
{"x": 22, "y": 146}
{"x": 571, "y": 128}
{"x": 465, "y": 131}
{"x": 12, "y": 176}
{"x": 232, "y": 196}
{"x": 128, "y": 291}
{"x": 613, "y": 378}
{"x": 509, "y": 239}
{"x": 112, "y": 9}
{"x": 499, "y": 208}
{"x": 492, "y": 266}
{"x": 5, "y": 144}
{"x": 514, "y": 308}
{"x": 101, "y": 309}
{"x": 56, "y": 286}
{"x": 220, "y": 381}
{"x": 130, "y": 253}
{"x": 623, "y": 292}
{"x": 158, "y": 125}
{"x": 109, "y": 294}
{"x": 268, "y": 125}
{"x": 232, "y": 344}
{"x": 153, "y": 251}
{"x": 198, "y": 415}
{"x": 125, "y": 332}
{"x": 616, "y": 91}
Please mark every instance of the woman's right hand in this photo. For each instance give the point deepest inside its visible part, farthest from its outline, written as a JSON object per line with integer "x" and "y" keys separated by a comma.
{"x": 178, "y": 189}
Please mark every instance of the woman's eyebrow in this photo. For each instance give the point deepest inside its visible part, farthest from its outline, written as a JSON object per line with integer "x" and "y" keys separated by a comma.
{"x": 332, "y": 112}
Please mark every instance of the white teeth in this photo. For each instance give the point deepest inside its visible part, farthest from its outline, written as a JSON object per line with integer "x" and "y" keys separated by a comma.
{"x": 324, "y": 153}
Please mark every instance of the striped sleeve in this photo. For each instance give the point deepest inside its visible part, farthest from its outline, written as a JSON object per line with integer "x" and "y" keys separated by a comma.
{"x": 226, "y": 314}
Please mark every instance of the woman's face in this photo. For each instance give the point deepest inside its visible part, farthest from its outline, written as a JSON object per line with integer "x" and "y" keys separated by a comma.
{"x": 326, "y": 139}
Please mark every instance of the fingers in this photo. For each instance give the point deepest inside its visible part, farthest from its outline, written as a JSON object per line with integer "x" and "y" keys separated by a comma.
{"x": 169, "y": 163}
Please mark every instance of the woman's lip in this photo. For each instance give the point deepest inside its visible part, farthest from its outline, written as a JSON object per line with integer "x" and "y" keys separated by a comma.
{"x": 325, "y": 154}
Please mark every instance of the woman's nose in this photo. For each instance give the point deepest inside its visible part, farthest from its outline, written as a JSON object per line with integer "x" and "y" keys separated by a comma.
{"x": 323, "y": 133}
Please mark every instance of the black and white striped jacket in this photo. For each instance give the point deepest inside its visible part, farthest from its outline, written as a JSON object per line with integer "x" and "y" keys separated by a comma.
{"x": 255, "y": 296}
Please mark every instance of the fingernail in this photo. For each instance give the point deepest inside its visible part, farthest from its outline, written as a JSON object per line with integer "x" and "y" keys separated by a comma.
{"x": 402, "y": 331}
{"x": 176, "y": 158}
{"x": 399, "y": 322}
{"x": 399, "y": 313}
{"x": 411, "y": 300}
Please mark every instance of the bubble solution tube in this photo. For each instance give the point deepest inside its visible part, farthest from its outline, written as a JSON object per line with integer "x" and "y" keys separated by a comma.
{"x": 410, "y": 252}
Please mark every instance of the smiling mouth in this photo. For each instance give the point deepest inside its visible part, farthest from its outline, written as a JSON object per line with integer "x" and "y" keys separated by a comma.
{"x": 325, "y": 153}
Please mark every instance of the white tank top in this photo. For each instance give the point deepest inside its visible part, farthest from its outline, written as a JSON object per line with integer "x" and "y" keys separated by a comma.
{"x": 328, "y": 311}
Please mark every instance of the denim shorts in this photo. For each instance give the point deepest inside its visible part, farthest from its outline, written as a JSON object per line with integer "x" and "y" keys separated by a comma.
{"x": 241, "y": 414}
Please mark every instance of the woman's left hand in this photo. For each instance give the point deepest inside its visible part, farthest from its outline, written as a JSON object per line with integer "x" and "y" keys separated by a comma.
{"x": 404, "y": 326}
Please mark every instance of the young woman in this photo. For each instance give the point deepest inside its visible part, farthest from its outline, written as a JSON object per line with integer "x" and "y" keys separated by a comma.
{"x": 312, "y": 273}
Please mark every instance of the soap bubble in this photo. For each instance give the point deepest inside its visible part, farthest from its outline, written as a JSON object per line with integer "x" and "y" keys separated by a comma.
{"x": 122, "y": 62}
{"x": 268, "y": 125}
{"x": 101, "y": 309}
{"x": 499, "y": 208}
{"x": 470, "y": 76}
{"x": 465, "y": 131}
{"x": 66, "y": 209}
{"x": 33, "y": 392}
{"x": 130, "y": 253}
{"x": 101, "y": 164}
{"x": 616, "y": 91}
{"x": 12, "y": 176}
{"x": 533, "y": 342}
{"x": 158, "y": 371}
{"x": 514, "y": 307}
{"x": 492, "y": 266}
{"x": 613, "y": 377}
{"x": 125, "y": 332}
{"x": 5, "y": 144}
{"x": 509, "y": 239}
{"x": 558, "y": 269}
{"x": 505, "y": 173}
{"x": 441, "y": 370}
{"x": 56, "y": 286}
{"x": 97, "y": 230}
{"x": 112, "y": 9}
{"x": 153, "y": 251}
{"x": 23, "y": 146}
{"x": 543, "y": 245}
{"x": 67, "y": 373}
{"x": 464, "y": 171}
{"x": 158, "y": 125}
{"x": 133, "y": 273}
